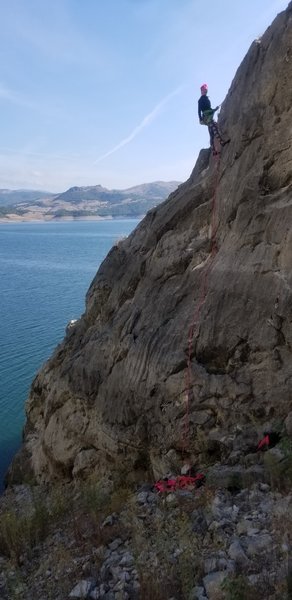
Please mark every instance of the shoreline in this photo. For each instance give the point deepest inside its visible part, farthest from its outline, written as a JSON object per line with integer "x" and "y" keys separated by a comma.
{"x": 70, "y": 219}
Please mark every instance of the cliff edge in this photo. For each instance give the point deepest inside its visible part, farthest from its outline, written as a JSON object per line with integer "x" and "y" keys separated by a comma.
{"x": 114, "y": 393}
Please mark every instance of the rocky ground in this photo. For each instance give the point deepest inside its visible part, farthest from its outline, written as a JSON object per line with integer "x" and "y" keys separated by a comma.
{"x": 228, "y": 539}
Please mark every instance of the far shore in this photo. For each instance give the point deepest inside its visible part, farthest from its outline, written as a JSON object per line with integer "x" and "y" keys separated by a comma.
{"x": 17, "y": 219}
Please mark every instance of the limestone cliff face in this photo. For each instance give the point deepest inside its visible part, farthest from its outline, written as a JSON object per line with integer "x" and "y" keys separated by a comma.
{"x": 114, "y": 392}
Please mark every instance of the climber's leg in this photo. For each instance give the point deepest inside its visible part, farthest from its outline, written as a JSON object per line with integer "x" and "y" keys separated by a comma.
{"x": 216, "y": 134}
{"x": 211, "y": 132}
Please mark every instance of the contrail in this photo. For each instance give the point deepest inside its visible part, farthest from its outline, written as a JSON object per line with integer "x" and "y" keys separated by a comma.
{"x": 148, "y": 119}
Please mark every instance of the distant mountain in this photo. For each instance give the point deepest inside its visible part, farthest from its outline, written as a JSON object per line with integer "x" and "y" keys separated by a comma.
{"x": 12, "y": 197}
{"x": 84, "y": 202}
{"x": 157, "y": 190}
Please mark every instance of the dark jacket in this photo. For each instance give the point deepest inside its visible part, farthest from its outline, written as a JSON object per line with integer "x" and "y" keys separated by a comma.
{"x": 203, "y": 104}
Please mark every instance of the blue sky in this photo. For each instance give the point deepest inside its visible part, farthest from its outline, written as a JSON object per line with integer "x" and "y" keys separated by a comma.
{"x": 105, "y": 91}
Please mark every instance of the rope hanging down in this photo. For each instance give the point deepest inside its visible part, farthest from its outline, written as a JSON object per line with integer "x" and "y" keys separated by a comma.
{"x": 203, "y": 290}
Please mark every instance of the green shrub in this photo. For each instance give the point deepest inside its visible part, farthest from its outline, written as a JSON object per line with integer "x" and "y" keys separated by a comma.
{"x": 95, "y": 500}
{"x": 20, "y": 533}
{"x": 237, "y": 588}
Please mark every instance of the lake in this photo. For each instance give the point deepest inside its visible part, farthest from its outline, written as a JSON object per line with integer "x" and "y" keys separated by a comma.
{"x": 45, "y": 271}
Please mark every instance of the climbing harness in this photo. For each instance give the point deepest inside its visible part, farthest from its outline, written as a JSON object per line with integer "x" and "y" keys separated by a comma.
{"x": 208, "y": 116}
{"x": 203, "y": 290}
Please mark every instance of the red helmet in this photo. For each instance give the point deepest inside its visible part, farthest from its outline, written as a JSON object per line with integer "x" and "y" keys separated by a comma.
{"x": 204, "y": 87}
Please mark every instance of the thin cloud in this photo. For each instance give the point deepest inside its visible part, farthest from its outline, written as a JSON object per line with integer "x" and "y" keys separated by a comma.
{"x": 51, "y": 30}
{"x": 46, "y": 156}
{"x": 18, "y": 99}
{"x": 148, "y": 119}
{"x": 14, "y": 97}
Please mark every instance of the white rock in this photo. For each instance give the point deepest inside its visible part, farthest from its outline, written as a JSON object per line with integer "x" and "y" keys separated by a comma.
{"x": 212, "y": 583}
{"x": 198, "y": 593}
{"x": 185, "y": 469}
{"x": 237, "y": 553}
{"x": 258, "y": 544}
{"x": 82, "y": 589}
{"x": 142, "y": 497}
{"x": 252, "y": 531}
{"x": 171, "y": 499}
{"x": 115, "y": 544}
{"x": 127, "y": 560}
{"x": 210, "y": 564}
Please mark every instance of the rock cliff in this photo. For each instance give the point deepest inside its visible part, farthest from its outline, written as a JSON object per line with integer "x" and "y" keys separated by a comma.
{"x": 113, "y": 395}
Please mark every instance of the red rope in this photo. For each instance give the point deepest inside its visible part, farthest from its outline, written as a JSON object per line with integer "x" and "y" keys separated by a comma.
{"x": 181, "y": 482}
{"x": 203, "y": 290}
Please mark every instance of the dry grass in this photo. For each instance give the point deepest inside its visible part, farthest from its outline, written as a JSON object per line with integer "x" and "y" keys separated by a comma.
{"x": 20, "y": 533}
{"x": 237, "y": 588}
{"x": 167, "y": 551}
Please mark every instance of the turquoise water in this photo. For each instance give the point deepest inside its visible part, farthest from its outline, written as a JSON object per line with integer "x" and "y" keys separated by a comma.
{"x": 45, "y": 271}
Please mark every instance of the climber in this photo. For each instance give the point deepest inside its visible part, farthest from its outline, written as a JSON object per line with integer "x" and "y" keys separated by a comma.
{"x": 206, "y": 118}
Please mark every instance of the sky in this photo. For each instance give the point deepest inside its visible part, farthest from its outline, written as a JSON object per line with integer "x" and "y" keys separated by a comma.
{"x": 104, "y": 92}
